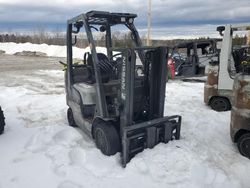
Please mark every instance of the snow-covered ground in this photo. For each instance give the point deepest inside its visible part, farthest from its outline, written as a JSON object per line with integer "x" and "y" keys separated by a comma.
{"x": 39, "y": 149}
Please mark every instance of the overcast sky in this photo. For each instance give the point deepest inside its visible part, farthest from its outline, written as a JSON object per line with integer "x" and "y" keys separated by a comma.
{"x": 170, "y": 18}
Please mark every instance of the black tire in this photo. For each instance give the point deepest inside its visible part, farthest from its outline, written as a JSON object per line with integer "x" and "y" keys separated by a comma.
{"x": 70, "y": 117}
{"x": 220, "y": 104}
{"x": 2, "y": 122}
{"x": 244, "y": 145}
{"x": 107, "y": 138}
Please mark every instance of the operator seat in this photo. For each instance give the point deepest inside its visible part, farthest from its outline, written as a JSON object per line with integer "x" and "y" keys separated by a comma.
{"x": 104, "y": 64}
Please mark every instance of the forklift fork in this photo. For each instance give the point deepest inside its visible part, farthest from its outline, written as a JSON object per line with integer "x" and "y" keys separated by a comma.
{"x": 148, "y": 134}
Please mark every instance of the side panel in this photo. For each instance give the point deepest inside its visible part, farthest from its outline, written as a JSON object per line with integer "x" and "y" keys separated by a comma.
{"x": 80, "y": 121}
{"x": 211, "y": 85}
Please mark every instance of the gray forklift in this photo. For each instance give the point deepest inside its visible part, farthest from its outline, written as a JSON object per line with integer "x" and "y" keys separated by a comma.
{"x": 2, "y": 122}
{"x": 117, "y": 97}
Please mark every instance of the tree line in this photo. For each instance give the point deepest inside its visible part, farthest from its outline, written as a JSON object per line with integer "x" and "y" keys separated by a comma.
{"x": 36, "y": 39}
{"x": 119, "y": 40}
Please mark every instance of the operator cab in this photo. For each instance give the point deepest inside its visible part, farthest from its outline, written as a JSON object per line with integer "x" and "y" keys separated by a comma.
{"x": 100, "y": 29}
{"x": 237, "y": 45}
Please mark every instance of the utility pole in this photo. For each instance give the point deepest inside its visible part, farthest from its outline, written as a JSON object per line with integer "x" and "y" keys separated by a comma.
{"x": 149, "y": 24}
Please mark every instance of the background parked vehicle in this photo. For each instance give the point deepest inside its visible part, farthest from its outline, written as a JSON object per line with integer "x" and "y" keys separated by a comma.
{"x": 190, "y": 58}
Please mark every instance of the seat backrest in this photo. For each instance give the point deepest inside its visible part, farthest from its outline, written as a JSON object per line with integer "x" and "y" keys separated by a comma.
{"x": 106, "y": 68}
{"x": 81, "y": 74}
{"x": 104, "y": 63}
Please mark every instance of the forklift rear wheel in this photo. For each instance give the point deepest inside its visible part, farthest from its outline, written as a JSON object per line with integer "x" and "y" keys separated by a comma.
{"x": 70, "y": 116}
{"x": 2, "y": 122}
{"x": 107, "y": 138}
{"x": 244, "y": 145}
{"x": 220, "y": 104}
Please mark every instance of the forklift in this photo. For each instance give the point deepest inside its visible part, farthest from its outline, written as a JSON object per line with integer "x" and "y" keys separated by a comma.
{"x": 221, "y": 73}
{"x": 227, "y": 85}
{"x": 117, "y": 97}
{"x": 240, "y": 113}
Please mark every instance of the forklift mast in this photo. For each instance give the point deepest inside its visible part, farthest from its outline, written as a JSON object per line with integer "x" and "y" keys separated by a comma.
{"x": 155, "y": 127}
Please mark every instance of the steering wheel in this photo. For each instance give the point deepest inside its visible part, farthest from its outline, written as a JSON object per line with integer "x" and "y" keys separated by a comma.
{"x": 117, "y": 60}
{"x": 112, "y": 57}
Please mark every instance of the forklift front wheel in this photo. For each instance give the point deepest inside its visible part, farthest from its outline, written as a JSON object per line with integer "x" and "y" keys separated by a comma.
{"x": 220, "y": 104}
{"x": 244, "y": 145}
{"x": 107, "y": 138}
{"x": 70, "y": 116}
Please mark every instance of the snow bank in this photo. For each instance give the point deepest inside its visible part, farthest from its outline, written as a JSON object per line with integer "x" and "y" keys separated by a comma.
{"x": 50, "y": 50}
